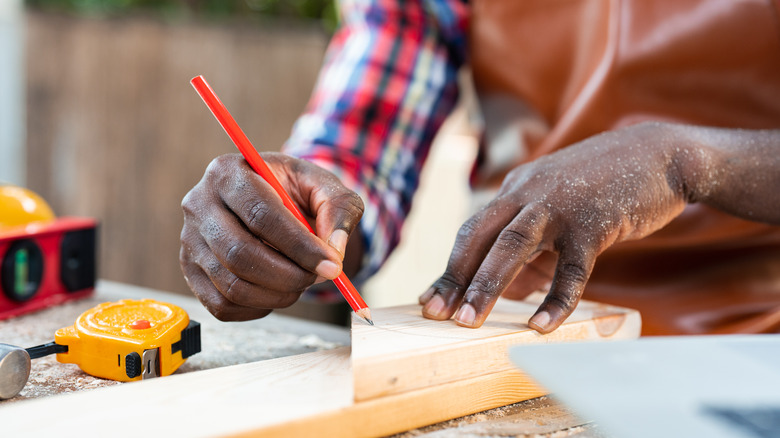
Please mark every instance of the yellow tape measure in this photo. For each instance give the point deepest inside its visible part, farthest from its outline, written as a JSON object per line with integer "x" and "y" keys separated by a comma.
{"x": 125, "y": 340}
{"x": 130, "y": 340}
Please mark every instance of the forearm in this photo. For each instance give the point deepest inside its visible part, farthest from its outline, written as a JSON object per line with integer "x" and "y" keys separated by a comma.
{"x": 734, "y": 170}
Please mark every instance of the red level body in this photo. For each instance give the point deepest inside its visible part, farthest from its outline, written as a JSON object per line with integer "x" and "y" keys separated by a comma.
{"x": 45, "y": 264}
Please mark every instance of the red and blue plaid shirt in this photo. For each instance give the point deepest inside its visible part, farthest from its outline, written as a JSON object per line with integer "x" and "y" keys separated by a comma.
{"x": 388, "y": 82}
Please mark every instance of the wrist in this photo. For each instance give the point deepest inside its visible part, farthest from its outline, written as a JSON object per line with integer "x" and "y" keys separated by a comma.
{"x": 693, "y": 169}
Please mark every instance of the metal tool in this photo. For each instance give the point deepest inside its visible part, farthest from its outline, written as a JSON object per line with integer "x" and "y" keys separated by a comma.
{"x": 14, "y": 370}
{"x": 124, "y": 340}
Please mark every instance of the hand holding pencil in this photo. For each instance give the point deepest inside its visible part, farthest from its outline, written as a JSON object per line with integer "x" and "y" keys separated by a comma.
{"x": 246, "y": 247}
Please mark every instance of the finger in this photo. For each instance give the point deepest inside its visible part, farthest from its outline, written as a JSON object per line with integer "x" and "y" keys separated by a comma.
{"x": 261, "y": 210}
{"x": 249, "y": 258}
{"x": 472, "y": 244}
{"x": 243, "y": 293}
{"x": 213, "y": 301}
{"x": 571, "y": 274}
{"x": 337, "y": 210}
{"x": 267, "y": 295}
{"x": 515, "y": 245}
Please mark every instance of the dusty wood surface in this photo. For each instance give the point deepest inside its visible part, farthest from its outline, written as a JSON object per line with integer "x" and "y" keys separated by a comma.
{"x": 223, "y": 343}
{"x": 296, "y": 396}
{"x": 539, "y": 417}
{"x": 405, "y": 351}
{"x": 240, "y": 343}
{"x": 116, "y": 132}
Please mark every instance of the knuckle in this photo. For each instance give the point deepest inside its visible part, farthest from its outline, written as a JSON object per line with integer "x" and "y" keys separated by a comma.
{"x": 351, "y": 200}
{"x": 350, "y": 203}
{"x": 213, "y": 269}
{"x": 218, "y": 164}
{"x": 190, "y": 240}
{"x": 232, "y": 292}
{"x": 452, "y": 279}
{"x": 259, "y": 215}
{"x": 185, "y": 255}
{"x": 186, "y": 202}
{"x": 485, "y": 285}
{"x": 190, "y": 203}
{"x": 211, "y": 230}
{"x": 235, "y": 256}
{"x": 564, "y": 302}
{"x": 511, "y": 239}
{"x": 468, "y": 229}
{"x": 573, "y": 274}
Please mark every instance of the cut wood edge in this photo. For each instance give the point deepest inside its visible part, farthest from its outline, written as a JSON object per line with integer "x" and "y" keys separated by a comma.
{"x": 412, "y": 409}
{"x": 386, "y": 375}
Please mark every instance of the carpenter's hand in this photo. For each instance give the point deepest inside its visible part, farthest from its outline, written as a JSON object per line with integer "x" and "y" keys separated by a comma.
{"x": 575, "y": 203}
{"x": 243, "y": 253}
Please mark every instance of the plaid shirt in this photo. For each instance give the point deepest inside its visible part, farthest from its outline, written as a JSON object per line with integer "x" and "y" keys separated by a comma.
{"x": 388, "y": 82}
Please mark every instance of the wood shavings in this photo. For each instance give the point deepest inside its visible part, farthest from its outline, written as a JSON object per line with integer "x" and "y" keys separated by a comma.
{"x": 537, "y": 418}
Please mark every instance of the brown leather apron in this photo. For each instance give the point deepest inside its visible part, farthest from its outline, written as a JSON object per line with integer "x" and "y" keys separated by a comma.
{"x": 553, "y": 72}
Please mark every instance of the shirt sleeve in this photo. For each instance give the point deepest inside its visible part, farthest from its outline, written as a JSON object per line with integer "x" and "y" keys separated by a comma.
{"x": 388, "y": 82}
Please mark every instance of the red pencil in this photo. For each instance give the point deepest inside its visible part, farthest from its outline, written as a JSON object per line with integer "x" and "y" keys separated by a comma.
{"x": 258, "y": 164}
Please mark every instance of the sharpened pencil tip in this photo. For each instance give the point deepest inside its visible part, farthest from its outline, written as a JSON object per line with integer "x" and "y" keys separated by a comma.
{"x": 365, "y": 314}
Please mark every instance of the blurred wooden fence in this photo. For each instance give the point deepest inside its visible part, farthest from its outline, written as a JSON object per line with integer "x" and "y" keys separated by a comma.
{"x": 116, "y": 132}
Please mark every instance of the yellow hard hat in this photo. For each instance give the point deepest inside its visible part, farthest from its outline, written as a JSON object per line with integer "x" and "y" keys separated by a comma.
{"x": 20, "y": 206}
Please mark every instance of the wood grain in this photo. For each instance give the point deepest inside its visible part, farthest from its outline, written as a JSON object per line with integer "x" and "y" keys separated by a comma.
{"x": 298, "y": 396}
{"x": 404, "y": 351}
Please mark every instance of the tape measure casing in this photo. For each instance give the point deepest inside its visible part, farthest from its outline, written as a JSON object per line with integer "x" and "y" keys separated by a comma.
{"x": 102, "y": 338}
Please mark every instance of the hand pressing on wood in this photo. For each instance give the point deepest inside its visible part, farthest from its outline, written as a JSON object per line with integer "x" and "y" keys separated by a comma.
{"x": 243, "y": 253}
{"x": 577, "y": 202}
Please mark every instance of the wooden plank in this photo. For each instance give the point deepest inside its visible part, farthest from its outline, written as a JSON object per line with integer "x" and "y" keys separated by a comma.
{"x": 305, "y": 395}
{"x": 405, "y": 351}
{"x": 410, "y": 410}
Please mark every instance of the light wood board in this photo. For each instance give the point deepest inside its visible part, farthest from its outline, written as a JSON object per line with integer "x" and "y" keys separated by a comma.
{"x": 405, "y": 351}
{"x": 305, "y": 395}
{"x": 298, "y": 396}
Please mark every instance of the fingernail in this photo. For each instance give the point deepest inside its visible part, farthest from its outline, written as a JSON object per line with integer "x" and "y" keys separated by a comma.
{"x": 466, "y": 315}
{"x": 435, "y": 306}
{"x": 424, "y": 298}
{"x": 328, "y": 269}
{"x": 541, "y": 320}
{"x": 338, "y": 240}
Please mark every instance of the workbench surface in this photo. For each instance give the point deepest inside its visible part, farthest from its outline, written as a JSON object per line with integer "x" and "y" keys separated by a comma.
{"x": 275, "y": 336}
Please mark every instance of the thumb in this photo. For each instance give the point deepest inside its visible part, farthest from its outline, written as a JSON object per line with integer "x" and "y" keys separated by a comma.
{"x": 337, "y": 217}
{"x": 336, "y": 210}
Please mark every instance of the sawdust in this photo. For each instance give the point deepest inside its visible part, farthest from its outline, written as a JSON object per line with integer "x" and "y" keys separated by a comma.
{"x": 49, "y": 377}
{"x": 222, "y": 344}
{"x": 536, "y": 418}
{"x": 232, "y": 344}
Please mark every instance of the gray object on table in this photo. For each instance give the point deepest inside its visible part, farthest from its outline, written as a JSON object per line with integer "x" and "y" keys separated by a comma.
{"x": 705, "y": 386}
